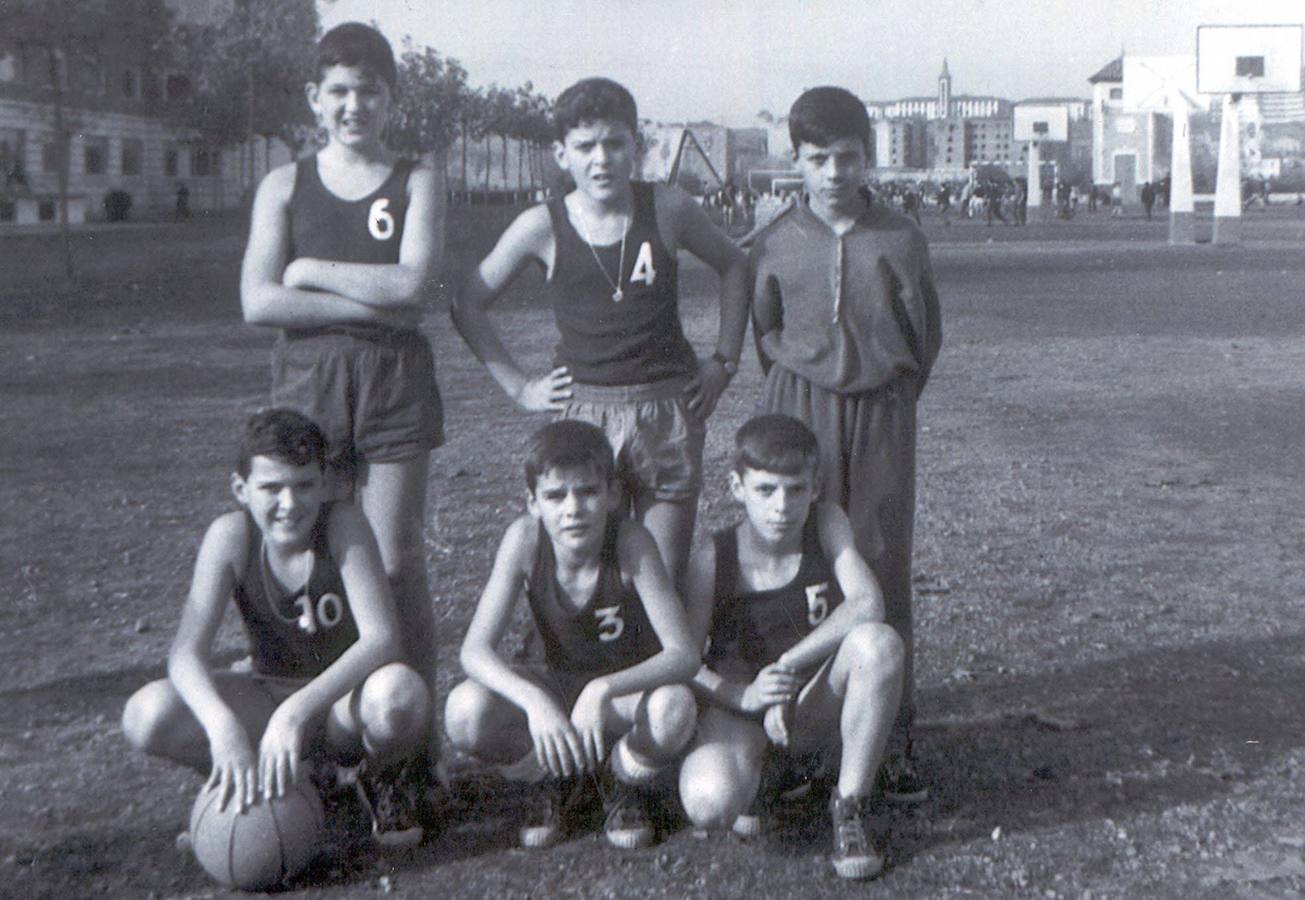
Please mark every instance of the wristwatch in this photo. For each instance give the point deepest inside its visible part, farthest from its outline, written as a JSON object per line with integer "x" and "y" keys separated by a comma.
{"x": 730, "y": 366}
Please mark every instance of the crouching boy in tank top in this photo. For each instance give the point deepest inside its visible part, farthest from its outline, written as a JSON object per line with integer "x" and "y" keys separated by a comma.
{"x": 608, "y": 249}
{"x": 613, "y": 654}
{"x": 799, "y": 657}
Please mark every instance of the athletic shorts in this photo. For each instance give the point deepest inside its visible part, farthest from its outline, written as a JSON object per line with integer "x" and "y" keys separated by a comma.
{"x": 658, "y": 441}
{"x": 374, "y": 396}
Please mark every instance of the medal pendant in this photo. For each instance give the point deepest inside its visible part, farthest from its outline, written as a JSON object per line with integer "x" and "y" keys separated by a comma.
{"x": 618, "y": 295}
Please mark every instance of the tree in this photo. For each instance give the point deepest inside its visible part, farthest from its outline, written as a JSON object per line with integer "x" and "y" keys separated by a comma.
{"x": 431, "y": 97}
{"x": 55, "y": 35}
{"x": 249, "y": 71}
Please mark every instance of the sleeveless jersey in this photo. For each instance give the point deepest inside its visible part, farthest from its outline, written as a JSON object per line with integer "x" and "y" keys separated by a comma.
{"x": 367, "y": 230}
{"x": 608, "y": 633}
{"x": 752, "y": 629}
{"x": 636, "y": 340}
{"x": 294, "y": 634}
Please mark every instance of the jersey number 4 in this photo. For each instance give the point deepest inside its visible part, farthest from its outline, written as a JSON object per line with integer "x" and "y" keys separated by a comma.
{"x": 610, "y": 624}
{"x": 379, "y": 221}
{"x": 643, "y": 266}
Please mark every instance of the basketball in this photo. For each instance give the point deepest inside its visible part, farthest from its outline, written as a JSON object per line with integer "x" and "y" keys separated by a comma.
{"x": 261, "y": 847}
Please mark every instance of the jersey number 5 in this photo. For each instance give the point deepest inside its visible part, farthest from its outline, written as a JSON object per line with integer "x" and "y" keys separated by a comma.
{"x": 817, "y": 603}
{"x": 379, "y": 221}
{"x": 610, "y": 623}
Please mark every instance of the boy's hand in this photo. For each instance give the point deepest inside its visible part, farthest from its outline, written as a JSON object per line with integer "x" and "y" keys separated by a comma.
{"x": 706, "y": 387}
{"x": 773, "y": 684}
{"x": 777, "y": 722}
{"x": 235, "y": 768}
{"x": 557, "y": 746}
{"x": 547, "y": 393}
{"x": 280, "y": 750}
{"x": 587, "y": 717}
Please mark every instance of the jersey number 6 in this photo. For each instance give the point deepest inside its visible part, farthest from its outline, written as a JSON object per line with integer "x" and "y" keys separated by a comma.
{"x": 379, "y": 221}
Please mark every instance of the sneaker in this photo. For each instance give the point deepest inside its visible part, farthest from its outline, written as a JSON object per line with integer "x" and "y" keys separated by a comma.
{"x": 859, "y": 837}
{"x": 630, "y": 767}
{"x": 898, "y": 780}
{"x": 628, "y": 824}
{"x": 786, "y": 779}
{"x": 392, "y": 799}
{"x": 552, "y": 813}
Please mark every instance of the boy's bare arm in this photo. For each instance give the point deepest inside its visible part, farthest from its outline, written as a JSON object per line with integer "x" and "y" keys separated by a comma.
{"x": 265, "y": 299}
{"x": 221, "y": 555}
{"x": 379, "y": 642}
{"x": 862, "y": 599}
{"x": 529, "y": 237}
{"x": 406, "y": 283}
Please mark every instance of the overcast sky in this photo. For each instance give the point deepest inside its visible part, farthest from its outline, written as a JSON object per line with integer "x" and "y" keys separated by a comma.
{"x": 726, "y": 59}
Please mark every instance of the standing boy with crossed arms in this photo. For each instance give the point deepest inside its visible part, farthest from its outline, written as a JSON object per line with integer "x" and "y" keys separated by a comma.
{"x": 608, "y": 250}
{"x": 847, "y": 324}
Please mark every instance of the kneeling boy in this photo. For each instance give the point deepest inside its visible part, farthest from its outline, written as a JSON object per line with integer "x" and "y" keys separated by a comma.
{"x": 799, "y": 656}
{"x": 616, "y": 652}
{"x": 326, "y": 682}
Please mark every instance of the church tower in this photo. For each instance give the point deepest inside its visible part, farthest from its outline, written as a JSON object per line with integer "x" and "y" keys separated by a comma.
{"x": 944, "y": 92}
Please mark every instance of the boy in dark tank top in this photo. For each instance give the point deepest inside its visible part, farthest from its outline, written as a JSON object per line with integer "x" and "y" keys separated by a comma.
{"x": 799, "y": 658}
{"x": 608, "y": 249}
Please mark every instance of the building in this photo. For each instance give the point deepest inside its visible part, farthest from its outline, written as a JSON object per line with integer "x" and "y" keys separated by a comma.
{"x": 709, "y": 154}
{"x": 116, "y": 97}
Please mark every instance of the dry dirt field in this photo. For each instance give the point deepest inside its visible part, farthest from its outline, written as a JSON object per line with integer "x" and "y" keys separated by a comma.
{"x": 1110, "y": 569}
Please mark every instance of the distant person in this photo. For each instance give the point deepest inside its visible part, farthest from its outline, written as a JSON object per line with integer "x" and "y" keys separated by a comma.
{"x": 994, "y": 197}
{"x": 1116, "y": 200}
{"x": 183, "y": 201}
{"x": 1092, "y": 198}
{"x": 344, "y": 246}
{"x": 945, "y": 203}
{"x": 911, "y": 204}
{"x": 851, "y": 363}
{"x": 799, "y": 657}
{"x": 601, "y": 697}
{"x": 328, "y": 684}
{"x": 1148, "y": 197}
{"x": 609, "y": 250}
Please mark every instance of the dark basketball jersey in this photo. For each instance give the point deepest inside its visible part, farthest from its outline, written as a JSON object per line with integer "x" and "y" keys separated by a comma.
{"x": 608, "y": 633}
{"x": 752, "y": 629}
{"x": 367, "y": 230}
{"x": 636, "y": 339}
{"x": 294, "y": 634}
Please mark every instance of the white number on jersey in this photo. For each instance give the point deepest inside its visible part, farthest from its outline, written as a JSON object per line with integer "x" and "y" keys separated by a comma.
{"x": 817, "y": 603}
{"x": 643, "y": 266}
{"x": 610, "y": 623}
{"x": 327, "y": 614}
{"x": 379, "y": 221}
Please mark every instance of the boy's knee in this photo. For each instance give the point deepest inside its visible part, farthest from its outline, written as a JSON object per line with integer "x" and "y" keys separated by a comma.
{"x": 877, "y": 651}
{"x": 710, "y": 797}
{"x": 144, "y": 715}
{"x": 672, "y": 715}
{"x": 393, "y": 704}
{"x": 464, "y": 716}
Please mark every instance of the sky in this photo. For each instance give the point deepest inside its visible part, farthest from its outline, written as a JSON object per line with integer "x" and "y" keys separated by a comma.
{"x": 725, "y": 60}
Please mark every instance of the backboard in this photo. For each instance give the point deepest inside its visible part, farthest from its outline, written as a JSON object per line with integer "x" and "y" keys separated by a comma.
{"x": 1041, "y": 122}
{"x": 1248, "y": 59}
{"x": 1150, "y": 80}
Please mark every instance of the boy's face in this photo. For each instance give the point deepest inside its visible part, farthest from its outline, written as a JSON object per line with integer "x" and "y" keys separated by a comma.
{"x": 284, "y": 499}
{"x": 573, "y": 503}
{"x": 351, "y": 103}
{"x": 832, "y": 174}
{"x": 600, "y": 156}
{"x": 777, "y": 505}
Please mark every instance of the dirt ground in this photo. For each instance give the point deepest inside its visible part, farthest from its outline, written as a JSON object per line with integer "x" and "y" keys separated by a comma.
{"x": 1109, "y": 569}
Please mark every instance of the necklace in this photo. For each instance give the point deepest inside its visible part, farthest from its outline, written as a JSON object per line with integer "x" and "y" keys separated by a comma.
{"x": 617, "y": 293}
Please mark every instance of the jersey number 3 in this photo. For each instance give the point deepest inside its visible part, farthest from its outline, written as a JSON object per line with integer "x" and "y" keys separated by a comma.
{"x": 610, "y": 623}
{"x": 379, "y": 221}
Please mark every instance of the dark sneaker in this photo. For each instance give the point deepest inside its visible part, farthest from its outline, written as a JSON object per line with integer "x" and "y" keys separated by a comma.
{"x": 628, "y": 824}
{"x": 860, "y": 835}
{"x": 392, "y": 799}
{"x": 553, "y": 812}
{"x": 898, "y": 780}
{"x": 786, "y": 780}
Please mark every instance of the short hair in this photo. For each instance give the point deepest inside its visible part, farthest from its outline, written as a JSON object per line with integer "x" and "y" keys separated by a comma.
{"x": 354, "y": 44}
{"x": 566, "y": 444}
{"x": 594, "y": 100}
{"x": 282, "y": 434}
{"x": 823, "y": 115}
{"x": 775, "y": 443}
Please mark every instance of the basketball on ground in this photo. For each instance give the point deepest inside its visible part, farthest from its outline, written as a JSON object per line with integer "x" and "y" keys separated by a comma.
{"x": 269, "y": 842}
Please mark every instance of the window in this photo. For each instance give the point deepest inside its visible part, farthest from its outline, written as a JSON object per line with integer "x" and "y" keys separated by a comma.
{"x": 8, "y": 65}
{"x": 199, "y": 162}
{"x": 8, "y": 211}
{"x": 170, "y": 160}
{"x": 1117, "y": 93}
{"x": 130, "y": 84}
{"x": 131, "y": 156}
{"x": 177, "y": 87}
{"x": 49, "y": 157}
{"x": 45, "y": 210}
{"x": 95, "y": 156}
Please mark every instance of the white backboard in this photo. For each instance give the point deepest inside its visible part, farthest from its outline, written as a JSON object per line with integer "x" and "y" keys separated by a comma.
{"x": 1041, "y": 122}
{"x": 1248, "y": 59}
{"x": 1149, "y": 81}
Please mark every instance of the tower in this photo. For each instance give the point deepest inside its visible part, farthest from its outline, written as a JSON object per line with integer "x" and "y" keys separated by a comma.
{"x": 944, "y": 92}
